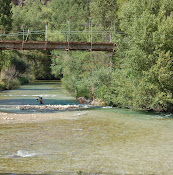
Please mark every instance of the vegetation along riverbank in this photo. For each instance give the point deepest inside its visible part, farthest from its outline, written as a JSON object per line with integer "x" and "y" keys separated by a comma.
{"x": 138, "y": 74}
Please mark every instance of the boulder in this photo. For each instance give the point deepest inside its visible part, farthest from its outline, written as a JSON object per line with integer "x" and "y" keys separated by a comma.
{"x": 98, "y": 102}
{"x": 83, "y": 100}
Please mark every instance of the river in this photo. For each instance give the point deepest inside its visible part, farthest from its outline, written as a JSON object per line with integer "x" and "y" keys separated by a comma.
{"x": 95, "y": 140}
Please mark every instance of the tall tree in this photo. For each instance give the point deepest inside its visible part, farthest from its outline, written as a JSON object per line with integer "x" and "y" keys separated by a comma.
{"x": 103, "y": 12}
{"x": 5, "y": 24}
{"x": 149, "y": 41}
{"x": 70, "y": 15}
{"x": 5, "y": 14}
{"x": 33, "y": 15}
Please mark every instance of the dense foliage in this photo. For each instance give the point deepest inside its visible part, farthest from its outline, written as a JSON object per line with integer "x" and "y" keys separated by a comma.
{"x": 147, "y": 65}
{"x": 139, "y": 74}
{"x": 5, "y": 14}
{"x": 18, "y": 67}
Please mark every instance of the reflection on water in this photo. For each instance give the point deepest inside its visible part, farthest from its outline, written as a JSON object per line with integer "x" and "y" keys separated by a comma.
{"x": 98, "y": 141}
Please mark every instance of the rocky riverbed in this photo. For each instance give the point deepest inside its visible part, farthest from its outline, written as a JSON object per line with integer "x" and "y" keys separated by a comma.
{"x": 51, "y": 107}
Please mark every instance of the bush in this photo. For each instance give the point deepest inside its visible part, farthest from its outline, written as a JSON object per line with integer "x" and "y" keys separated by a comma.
{"x": 13, "y": 84}
{"x": 23, "y": 80}
{"x": 30, "y": 77}
{"x": 104, "y": 93}
{"x": 82, "y": 89}
{"x": 2, "y": 86}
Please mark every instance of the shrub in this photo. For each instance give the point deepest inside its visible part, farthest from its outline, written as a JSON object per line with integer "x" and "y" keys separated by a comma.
{"x": 23, "y": 80}
{"x": 13, "y": 84}
{"x": 2, "y": 86}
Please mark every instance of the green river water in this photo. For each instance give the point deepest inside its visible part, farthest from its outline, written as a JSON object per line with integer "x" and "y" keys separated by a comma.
{"x": 100, "y": 140}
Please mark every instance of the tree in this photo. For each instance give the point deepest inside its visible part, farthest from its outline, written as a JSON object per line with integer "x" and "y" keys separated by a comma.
{"x": 103, "y": 12}
{"x": 5, "y": 14}
{"x": 70, "y": 15}
{"x": 33, "y": 16}
{"x": 5, "y": 24}
{"x": 149, "y": 40}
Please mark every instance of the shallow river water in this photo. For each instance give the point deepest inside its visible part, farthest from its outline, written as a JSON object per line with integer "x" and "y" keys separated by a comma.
{"x": 93, "y": 141}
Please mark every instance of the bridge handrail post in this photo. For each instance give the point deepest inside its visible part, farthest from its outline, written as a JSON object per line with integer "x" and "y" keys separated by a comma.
{"x": 90, "y": 32}
{"x": 91, "y": 36}
{"x": 23, "y": 36}
{"x": 0, "y": 34}
{"x": 27, "y": 35}
{"x": 46, "y": 35}
{"x": 46, "y": 31}
{"x": 89, "y": 28}
{"x": 68, "y": 36}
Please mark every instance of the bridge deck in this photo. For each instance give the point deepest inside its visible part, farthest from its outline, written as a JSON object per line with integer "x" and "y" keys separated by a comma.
{"x": 52, "y": 45}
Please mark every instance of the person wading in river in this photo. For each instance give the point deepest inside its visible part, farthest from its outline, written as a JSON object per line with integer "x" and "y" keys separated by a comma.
{"x": 41, "y": 100}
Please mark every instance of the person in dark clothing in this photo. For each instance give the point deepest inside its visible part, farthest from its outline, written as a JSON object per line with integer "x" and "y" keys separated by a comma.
{"x": 41, "y": 100}
{"x": 92, "y": 95}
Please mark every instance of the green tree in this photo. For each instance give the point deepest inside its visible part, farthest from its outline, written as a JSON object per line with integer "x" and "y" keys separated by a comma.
{"x": 5, "y": 24}
{"x": 33, "y": 16}
{"x": 103, "y": 12}
{"x": 149, "y": 40}
{"x": 5, "y": 14}
{"x": 70, "y": 15}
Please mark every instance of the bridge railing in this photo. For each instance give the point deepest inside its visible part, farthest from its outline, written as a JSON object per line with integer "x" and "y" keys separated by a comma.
{"x": 69, "y": 31}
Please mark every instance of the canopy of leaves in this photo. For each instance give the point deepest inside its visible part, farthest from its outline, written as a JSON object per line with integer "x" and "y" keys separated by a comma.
{"x": 5, "y": 14}
{"x": 148, "y": 55}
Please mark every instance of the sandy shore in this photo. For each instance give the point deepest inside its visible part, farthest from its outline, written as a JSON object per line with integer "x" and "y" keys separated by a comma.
{"x": 12, "y": 118}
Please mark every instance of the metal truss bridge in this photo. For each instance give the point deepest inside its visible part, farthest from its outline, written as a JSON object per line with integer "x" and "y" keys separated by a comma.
{"x": 21, "y": 40}
{"x": 52, "y": 45}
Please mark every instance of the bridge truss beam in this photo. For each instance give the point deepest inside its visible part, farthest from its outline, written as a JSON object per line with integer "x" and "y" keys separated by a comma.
{"x": 52, "y": 45}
